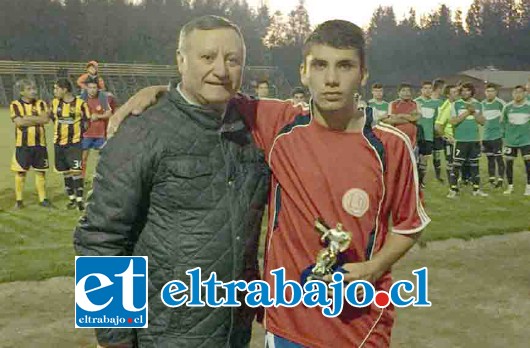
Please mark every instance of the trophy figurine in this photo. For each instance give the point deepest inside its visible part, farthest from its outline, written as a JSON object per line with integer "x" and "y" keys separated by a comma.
{"x": 337, "y": 241}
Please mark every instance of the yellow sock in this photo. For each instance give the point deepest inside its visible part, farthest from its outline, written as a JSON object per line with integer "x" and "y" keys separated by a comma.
{"x": 40, "y": 184}
{"x": 19, "y": 185}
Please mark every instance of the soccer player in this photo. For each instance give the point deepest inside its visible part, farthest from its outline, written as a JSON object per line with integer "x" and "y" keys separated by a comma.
{"x": 466, "y": 116}
{"x": 429, "y": 111}
{"x": 445, "y": 129}
{"x": 516, "y": 120}
{"x": 262, "y": 89}
{"x": 492, "y": 136}
{"x": 99, "y": 105}
{"x": 330, "y": 163}
{"x": 29, "y": 115}
{"x": 404, "y": 113}
{"x": 379, "y": 106}
{"x": 438, "y": 145}
{"x": 298, "y": 96}
{"x": 70, "y": 115}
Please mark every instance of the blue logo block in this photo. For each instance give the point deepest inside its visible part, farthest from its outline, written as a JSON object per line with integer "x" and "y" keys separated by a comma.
{"x": 111, "y": 292}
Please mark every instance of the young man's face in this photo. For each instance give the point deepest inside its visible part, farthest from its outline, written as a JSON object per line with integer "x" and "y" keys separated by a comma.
{"x": 262, "y": 90}
{"x": 518, "y": 95}
{"x": 92, "y": 89}
{"x": 59, "y": 92}
{"x": 298, "y": 98}
{"x": 92, "y": 70}
{"x": 466, "y": 93}
{"x": 454, "y": 93}
{"x": 405, "y": 93}
{"x": 377, "y": 93}
{"x": 491, "y": 93}
{"x": 211, "y": 65}
{"x": 333, "y": 76}
{"x": 426, "y": 91}
{"x": 29, "y": 92}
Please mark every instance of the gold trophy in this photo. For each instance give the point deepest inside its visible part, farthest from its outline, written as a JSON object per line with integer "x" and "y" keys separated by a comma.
{"x": 337, "y": 241}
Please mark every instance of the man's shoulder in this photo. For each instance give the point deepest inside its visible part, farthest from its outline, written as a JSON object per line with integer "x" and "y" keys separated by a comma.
{"x": 395, "y": 141}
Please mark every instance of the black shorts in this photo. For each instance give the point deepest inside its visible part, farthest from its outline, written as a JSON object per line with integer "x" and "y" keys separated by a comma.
{"x": 511, "y": 151}
{"x": 68, "y": 157}
{"x": 439, "y": 144}
{"x": 492, "y": 147}
{"x": 26, "y": 157}
{"x": 426, "y": 147}
{"x": 469, "y": 150}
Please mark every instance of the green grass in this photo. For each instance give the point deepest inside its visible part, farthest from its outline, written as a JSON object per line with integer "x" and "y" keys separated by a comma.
{"x": 36, "y": 243}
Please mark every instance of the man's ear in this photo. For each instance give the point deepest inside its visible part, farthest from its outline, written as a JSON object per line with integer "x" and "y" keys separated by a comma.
{"x": 365, "y": 75}
{"x": 180, "y": 61}
{"x": 303, "y": 75}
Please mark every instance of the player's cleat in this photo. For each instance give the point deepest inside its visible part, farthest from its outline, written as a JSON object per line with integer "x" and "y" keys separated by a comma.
{"x": 527, "y": 190}
{"x": 479, "y": 193}
{"x": 19, "y": 205}
{"x": 499, "y": 184}
{"x": 46, "y": 204}
{"x": 452, "y": 194}
{"x": 81, "y": 206}
{"x": 509, "y": 190}
{"x": 71, "y": 205}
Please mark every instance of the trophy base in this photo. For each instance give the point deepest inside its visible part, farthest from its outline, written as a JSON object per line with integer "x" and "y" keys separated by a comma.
{"x": 307, "y": 275}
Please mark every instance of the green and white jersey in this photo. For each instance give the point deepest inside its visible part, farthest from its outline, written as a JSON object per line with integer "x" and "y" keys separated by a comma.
{"x": 380, "y": 109}
{"x": 516, "y": 120}
{"x": 492, "y": 112}
{"x": 429, "y": 112}
{"x": 467, "y": 130}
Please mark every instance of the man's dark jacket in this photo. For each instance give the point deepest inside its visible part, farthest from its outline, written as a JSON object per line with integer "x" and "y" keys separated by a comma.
{"x": 187, "y": 188}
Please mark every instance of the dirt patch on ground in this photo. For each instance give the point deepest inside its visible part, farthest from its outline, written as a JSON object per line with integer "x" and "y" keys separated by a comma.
{"x": 480, "y": 290}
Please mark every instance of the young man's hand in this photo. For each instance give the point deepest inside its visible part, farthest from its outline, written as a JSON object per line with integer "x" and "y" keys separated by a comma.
{"x": 138, "y": 103}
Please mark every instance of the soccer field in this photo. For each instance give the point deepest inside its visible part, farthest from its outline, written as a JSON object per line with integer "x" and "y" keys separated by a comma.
{"x": 36, "y": 243}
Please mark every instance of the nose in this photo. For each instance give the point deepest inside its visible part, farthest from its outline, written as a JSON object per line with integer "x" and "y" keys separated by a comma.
{"x": 331, "y": 77}
{"x": 219, "y": 68}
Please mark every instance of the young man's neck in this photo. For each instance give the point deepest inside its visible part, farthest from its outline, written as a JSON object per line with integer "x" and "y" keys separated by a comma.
{"x": 27, "y": 100}
{"x": 425, "y": 97}
{"x": 435, "y": 95}
{"x": 490, "y": 100}
{"x": 378, "y": 100}
{"x": 348, "y": 119}
{"x": 520, "y": 102}
{"x": 68, "y": 97}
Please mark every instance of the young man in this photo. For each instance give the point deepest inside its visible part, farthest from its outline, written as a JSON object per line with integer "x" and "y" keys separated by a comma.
{"x": 444, "y": 128}
{"x": 379, "y": 106}
{"x": 516, "y": 120}
{"x": 348, "y": 172}
{"x": 262, "y": 89}
{"x": 429, "y": 112}
{"x": 438, "y": 145}
{"x": 466, "y": 116}
{"x": 99, "y": 105}
{"x": 492, "y": 136}
{"x": 29, "y": 115}
{"x": 298, "y": 96}
{"x": 404, "y": 113}
{"x": 70, "y": 115}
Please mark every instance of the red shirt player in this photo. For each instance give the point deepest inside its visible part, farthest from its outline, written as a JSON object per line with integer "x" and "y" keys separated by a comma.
{"x": 403, "y": 113}
{"x": 101, "y": 105}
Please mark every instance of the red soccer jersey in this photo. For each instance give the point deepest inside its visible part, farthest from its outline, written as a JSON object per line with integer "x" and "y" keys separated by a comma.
{"x": 336, "y": 176}
{"x": 96, "y": 129}
{"x": 400, "y": 106}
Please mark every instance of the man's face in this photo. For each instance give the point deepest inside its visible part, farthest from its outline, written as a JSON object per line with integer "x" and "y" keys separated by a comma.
{"x": 211, "y": 65}
{"x": 298, "y": 98}
{"x": 92, "y": 70}
{"x": 262, "y": 90}
{"x": 333, "y": 76}
{"x": 466, "y": 93}
{"x": 518, "y": 95}
{"x": 491, "y": 93}
{"x": 58, "y": 92}
{"x": 405, "y": 93}
{"x": 29, "y": 92}
{"x": 426, "y": 91}
{"x": 454, "y": 93}
{"x": 377, "y": 93}
{"x": 92, "y": 89}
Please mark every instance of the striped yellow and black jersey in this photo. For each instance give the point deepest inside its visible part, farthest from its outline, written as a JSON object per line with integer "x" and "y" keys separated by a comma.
{"x": 70, "y": 120}
{"x": 29, "y": 135}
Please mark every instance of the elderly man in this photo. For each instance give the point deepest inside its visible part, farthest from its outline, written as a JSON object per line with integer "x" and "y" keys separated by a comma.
{"x": 189, "y": 191}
